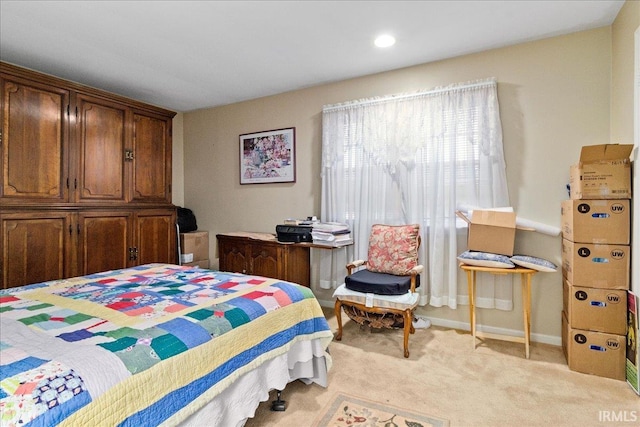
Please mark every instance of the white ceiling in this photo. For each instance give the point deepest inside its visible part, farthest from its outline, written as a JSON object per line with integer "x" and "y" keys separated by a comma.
{"x": 187, "y": 55}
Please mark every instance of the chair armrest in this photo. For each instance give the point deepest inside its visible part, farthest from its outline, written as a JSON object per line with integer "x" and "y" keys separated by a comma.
{"x": 414, "y": 272}
{"x": 355, "y": 264}
{"x": 417, "y": 269}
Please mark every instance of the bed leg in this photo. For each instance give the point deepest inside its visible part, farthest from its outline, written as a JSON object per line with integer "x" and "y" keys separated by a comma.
{"x": 279, "y": 404}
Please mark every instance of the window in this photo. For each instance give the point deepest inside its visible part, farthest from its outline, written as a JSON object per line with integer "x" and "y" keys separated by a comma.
{"x": 413, "y": 159}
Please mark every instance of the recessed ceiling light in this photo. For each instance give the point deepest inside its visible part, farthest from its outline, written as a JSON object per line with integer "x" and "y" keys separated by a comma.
{"x": 385, "y": 40}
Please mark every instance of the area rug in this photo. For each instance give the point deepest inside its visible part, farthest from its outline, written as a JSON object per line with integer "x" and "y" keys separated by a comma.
{"x": 353, "y": 411}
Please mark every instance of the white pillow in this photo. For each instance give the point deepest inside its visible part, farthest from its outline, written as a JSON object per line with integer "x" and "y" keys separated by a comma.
{"x": 534, "y": 263}
{"x": 485, "y": 259}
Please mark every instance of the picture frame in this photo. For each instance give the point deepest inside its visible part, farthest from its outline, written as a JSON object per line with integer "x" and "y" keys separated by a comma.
{"x": 268, "y": 156}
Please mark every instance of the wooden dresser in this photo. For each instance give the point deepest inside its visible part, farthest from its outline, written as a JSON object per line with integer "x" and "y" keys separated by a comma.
{"x": 85, "y": 183}
{"x": 256, "y": 254}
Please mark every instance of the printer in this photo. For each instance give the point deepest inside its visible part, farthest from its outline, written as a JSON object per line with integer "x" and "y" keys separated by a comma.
{"x": 294, "y": 233}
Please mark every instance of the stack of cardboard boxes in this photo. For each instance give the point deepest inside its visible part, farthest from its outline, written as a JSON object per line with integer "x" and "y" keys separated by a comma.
{"x": 596, "y": 254}
{"x": 194, "y": 249}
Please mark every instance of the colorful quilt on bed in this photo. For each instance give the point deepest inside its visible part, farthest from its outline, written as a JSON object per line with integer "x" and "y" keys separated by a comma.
{"x": 141, "y": 346}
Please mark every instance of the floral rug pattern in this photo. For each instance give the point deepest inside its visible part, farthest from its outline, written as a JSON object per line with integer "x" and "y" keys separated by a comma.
{"x": 349, "y": 411}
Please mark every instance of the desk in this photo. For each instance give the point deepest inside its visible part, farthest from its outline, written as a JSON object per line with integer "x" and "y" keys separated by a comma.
{"x": 261, "y": 254}
{"x": 525, "y": 277}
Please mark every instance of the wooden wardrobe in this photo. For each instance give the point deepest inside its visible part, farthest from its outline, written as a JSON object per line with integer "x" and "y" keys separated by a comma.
{"x": 86, "y": 180}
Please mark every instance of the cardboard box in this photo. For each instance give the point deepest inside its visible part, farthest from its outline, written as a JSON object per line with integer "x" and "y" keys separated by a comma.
{"x": 595, "y": 353}
{"x": 196, "y": 243}
{"x": 596, "y": 266}
{"x": 184, "y": 258}
{"x": 604, "y": 172}
{"x": 597, "y": 221}
{"x": 491, "y": 231}
{"x": 633, "y": 342}
{"x": 595, "y": 309}
{"x": 203, "y": 263}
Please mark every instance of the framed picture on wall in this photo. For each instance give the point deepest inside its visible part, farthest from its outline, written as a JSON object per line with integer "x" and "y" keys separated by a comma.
{"x": 268, "y": 156}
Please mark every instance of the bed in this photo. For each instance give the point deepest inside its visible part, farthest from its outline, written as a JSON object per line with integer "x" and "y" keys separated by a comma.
{"x": 156, "y": 344}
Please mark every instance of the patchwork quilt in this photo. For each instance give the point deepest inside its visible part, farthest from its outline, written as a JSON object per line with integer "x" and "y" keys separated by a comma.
{"x": 148, "y": 345}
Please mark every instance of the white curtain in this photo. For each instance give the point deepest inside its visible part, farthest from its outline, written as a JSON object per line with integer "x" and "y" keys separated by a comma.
{"x": 413, "y": 158}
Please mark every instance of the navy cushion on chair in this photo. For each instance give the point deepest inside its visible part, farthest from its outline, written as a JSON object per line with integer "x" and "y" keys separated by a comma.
{"x": 379, "y": 283}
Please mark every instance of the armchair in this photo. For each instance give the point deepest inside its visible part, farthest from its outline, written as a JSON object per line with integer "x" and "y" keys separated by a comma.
{"x": 381, "y": 291}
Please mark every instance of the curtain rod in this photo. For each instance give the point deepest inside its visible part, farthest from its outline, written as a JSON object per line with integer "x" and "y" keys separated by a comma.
{"x": 368, "y": 101}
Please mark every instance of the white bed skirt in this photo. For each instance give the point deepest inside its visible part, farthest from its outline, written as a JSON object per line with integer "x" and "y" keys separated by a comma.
{"x": 305, "y": 361}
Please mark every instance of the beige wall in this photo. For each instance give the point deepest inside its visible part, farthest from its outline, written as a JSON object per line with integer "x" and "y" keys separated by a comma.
{"x": 554, "y": 97}
{"x": 623, "y": 111}
{"x": 622, "y": 37}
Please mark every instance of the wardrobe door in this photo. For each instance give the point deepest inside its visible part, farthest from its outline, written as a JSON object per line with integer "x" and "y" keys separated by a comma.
{"x": 151, "y": 158}
{"x": 35, "y": 142}
{"x": 100, "y": 141}
{"x": 156, "y": 237}
{"x": 35, "y": 247}
{"x": 105, "y": 241}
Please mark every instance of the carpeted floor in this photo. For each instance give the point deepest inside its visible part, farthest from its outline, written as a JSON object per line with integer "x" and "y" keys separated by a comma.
{"x": 493, "y": 385}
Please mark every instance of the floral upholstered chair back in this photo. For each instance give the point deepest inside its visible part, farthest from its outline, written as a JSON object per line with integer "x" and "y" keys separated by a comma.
{"x": 393, "y": 249}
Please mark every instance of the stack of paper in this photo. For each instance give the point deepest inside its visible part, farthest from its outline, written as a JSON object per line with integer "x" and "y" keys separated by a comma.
{"x": 331, "y": 234}
{"x": 332, "y": 227}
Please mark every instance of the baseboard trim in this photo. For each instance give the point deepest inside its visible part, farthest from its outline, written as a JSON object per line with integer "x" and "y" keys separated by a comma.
{"x": 464, "y": 326}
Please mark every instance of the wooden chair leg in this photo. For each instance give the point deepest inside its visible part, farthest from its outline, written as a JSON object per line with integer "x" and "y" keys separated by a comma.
{"x": 338, "y": 311}
{"x": 408, "y": 325}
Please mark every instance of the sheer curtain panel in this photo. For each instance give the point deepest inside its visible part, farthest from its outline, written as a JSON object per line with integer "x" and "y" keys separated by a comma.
{"x": 412, "y": 158}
